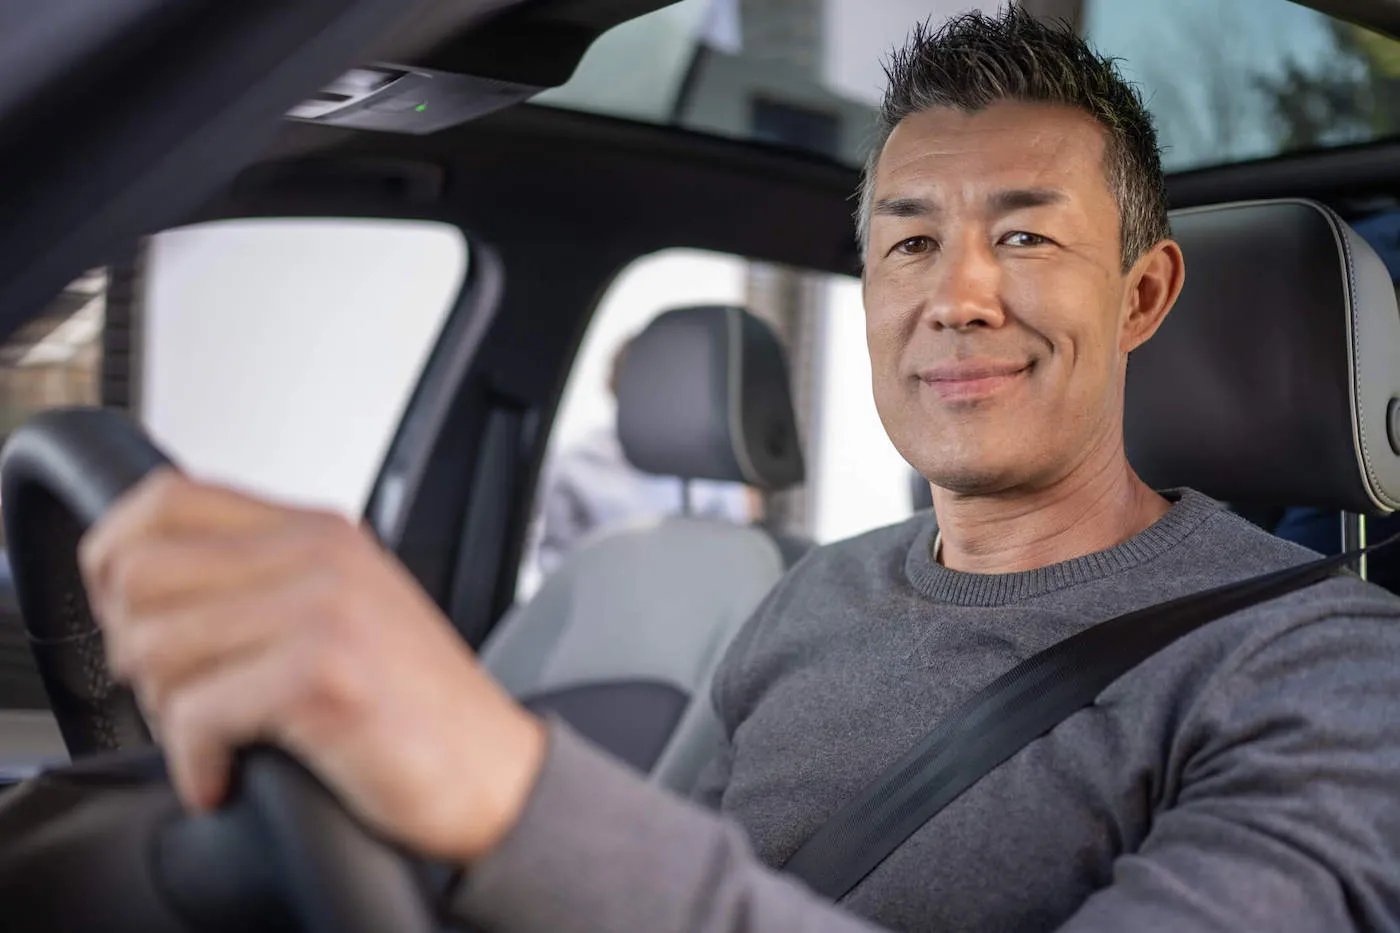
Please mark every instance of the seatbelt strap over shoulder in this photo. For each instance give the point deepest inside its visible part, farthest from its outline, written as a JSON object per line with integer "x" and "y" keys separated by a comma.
{"x": 1014, "y": 710}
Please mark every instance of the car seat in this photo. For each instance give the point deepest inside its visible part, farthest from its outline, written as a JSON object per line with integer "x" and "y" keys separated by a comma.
{"x": 622, "y": 639}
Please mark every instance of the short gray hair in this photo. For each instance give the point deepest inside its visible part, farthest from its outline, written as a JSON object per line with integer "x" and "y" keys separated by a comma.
{"x": 975, "y": 60}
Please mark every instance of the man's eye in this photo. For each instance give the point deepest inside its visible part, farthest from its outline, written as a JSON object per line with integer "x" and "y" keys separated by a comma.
{"x": 1024, "y": 239}
{"x": 914, "y": 245}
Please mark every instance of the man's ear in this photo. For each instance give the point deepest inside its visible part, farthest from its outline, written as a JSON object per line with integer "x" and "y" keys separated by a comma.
{"x": 1154, "y": 283}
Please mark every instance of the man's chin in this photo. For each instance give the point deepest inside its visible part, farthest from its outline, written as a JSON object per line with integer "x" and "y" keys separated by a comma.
{"x": 972, "y": 482}
{"x": 966, "y": 476}
{"x": 972, "y": 457}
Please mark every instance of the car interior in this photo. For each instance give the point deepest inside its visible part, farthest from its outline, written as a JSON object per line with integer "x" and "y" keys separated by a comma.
{"x": 1274, "y": 385}
{"x": 703, "y": 394}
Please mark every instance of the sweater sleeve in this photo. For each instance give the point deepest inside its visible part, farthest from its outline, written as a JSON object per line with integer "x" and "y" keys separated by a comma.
{"x": 714, "y": 776}
{"x": 1283, "y": 815}
{"x": 598, "y": 848}
{"x": 1287, "y": 816}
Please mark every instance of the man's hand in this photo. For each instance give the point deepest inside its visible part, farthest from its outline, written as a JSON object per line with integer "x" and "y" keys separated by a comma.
{"x": 239, "y": 621}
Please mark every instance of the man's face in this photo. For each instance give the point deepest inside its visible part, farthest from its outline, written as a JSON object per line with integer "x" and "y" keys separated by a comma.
{"x": 996, "y": 304}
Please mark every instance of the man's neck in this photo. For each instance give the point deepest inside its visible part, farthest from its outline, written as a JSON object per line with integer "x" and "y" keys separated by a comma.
{"x": 1095, "y": 507}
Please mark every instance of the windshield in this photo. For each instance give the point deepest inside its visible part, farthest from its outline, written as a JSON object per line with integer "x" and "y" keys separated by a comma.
{"x": 1227, "y": 82}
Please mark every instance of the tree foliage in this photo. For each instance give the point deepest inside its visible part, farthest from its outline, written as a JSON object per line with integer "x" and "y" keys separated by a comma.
{"x": 1348, "y": 95}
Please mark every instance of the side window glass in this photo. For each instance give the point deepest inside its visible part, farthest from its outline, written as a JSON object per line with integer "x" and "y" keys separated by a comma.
{"x": 855, "y": 479}
{"x": 861, "y": 481}
{"x": 280, "y": 353}
{"x": 275, "y": 354}
{"x": 587, "y": 487}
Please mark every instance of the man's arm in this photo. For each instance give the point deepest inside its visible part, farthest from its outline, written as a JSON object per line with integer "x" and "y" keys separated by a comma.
{"x": 598, "y": 848}
{"x": 1286, "y": 818}
{"x": 713, "y": 778}
{"x": 239, "y": 621}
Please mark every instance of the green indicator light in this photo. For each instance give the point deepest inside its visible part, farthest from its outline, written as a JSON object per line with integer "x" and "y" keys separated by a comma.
{"x": 421, "y": 107}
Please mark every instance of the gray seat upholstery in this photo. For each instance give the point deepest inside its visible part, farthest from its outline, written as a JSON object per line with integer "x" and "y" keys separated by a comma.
{"x": 622, "y": 640}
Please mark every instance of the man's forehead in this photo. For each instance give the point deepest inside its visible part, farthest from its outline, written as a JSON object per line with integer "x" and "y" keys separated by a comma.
{"x": 1009, "y": 144}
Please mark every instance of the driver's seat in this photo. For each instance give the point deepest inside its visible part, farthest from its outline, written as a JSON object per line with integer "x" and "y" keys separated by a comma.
{"x": 622, "y": 639}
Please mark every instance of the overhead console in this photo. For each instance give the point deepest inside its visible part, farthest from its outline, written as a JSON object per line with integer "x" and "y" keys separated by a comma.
{"x": 407, "y": 99}
{"x": 449, "y": 77}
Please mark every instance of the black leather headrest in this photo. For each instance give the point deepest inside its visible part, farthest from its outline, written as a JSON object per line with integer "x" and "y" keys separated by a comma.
{"x": 1275, "y": 378}
{"x": 703, "y": 394}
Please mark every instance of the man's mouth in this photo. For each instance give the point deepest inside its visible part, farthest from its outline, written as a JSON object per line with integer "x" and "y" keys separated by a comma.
{"x": 965, "y": 380}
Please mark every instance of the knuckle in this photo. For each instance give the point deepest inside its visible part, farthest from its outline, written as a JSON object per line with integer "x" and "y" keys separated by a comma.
{"x": 90, "y": 556}
{"x": 321, "y": 522}
{"x": 128, "y": 574}
{"x": 330, "y": 667}
{"x": 336, "y": 537}
{"x": 328, "y": 607}
{"x": 138, "y": 510}
{"x": 327, "y": 651}
{"x": 330, "y": 693}
{"x": 333, "y": 522}
{"x": 156, "y": 495}
{"x": 164, "y": 484}
{"x": 124, "y": 572}
{"x": 135, "y": 655}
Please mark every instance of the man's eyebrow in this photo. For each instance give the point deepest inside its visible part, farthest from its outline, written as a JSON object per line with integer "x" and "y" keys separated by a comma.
{"x": 1002, "y": 202}
{"x": 1020, "y": 199}
{"x": 905, "y": 207}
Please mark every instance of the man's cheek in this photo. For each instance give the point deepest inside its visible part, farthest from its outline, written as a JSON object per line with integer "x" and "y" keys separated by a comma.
{"x": 885, "y": 350}
{"x": 899, "y": 410}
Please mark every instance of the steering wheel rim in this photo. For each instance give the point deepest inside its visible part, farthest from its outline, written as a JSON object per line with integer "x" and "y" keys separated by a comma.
{"x": 53, "y": 489}
{"x": 59, "y": 474}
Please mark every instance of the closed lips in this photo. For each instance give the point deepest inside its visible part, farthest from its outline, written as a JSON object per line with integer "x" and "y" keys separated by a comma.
{"x": 971, "y": 371}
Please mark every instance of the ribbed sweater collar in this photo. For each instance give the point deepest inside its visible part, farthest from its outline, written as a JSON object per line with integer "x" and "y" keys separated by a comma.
{"x": 939, "y": 583}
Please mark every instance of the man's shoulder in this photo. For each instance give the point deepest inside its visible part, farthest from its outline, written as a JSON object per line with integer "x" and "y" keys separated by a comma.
{"x": 1253, "y": 549}
{"x": 1224, "y": 548}
{"x": 1219, "y": 546}
{"x": 1227, "y": 548}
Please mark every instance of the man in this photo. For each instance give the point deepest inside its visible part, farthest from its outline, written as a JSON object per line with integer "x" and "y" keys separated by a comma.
{"x": 593, "y": 488}
{"x": 1246, "y": 778}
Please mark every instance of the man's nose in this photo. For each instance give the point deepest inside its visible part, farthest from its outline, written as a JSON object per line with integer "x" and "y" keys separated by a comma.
{"x": 966, "y": 288}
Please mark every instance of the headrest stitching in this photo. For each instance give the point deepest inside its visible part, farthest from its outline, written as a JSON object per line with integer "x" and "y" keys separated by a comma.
{"x": 738, "y": 438}
{"x": 1376, "y": 491}
{"x": 1353, "y": 325}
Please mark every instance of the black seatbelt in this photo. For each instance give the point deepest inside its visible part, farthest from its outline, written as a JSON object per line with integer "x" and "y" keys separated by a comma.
{"x": 1015, "y": 709}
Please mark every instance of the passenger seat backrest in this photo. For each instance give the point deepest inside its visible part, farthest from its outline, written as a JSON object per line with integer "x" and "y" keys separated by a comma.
{"x": 622, "y": 640}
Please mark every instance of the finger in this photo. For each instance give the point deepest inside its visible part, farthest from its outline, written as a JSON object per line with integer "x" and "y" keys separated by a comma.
{"x": 237, "y": 705}
{"x": 153, "y": 574}
{"x": 169, "y": 502}
{"x": 159, "y": 652}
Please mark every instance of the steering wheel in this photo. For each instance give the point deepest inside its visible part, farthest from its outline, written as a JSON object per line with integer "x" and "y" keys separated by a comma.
{"x": 282, "y": 854}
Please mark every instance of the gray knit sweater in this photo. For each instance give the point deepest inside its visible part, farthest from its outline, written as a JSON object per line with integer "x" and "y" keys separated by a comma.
{"x": 1245, "y": 778}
